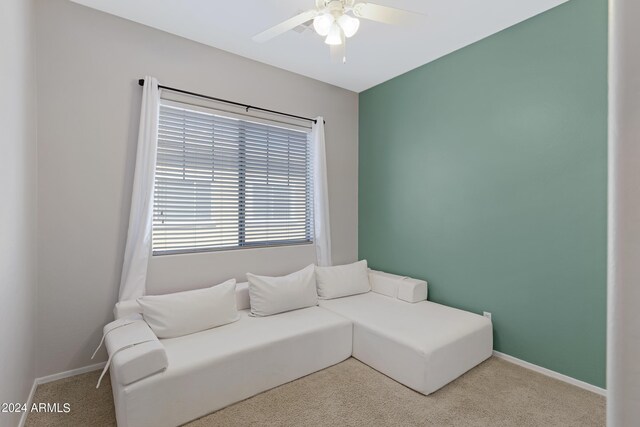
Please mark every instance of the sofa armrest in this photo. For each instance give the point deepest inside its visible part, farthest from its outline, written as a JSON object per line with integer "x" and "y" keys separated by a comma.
{"x": 412, "y": 290}
{"x": 400, "y": 287}
{"x": 134, "y": 350}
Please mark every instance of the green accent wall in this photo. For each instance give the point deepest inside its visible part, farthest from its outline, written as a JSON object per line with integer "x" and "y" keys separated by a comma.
{"x": 484, "y": 172}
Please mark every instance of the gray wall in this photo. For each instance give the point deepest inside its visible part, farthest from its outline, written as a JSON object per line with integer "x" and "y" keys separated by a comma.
{"x": 89, "y": 100}
{"x": 18, "y": 203}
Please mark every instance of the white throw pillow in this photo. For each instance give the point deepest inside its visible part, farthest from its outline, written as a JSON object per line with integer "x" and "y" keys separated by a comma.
{"x": 342, "y": 280}
{"x": 183, "y": 313}
{"x": 271, "y": 295}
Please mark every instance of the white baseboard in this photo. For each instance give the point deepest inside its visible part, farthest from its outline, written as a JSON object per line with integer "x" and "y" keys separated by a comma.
{"x": 71, "y": 373}
{"x": 23, "y": 417}
{"x": 55, "y": 377}
{"x": 552, "y": 374}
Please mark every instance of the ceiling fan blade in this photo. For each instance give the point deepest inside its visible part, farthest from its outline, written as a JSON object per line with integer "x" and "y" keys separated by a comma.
{"x": 285, "y": 26}
{"x": 384, "y": 14}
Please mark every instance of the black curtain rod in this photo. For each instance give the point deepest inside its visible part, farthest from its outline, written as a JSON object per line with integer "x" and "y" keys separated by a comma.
{"x": 247, "y": 107}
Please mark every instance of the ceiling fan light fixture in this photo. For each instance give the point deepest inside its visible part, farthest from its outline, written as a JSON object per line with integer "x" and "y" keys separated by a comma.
{"x": 349, "y": 25}
{"x": 322, "y": 24}
{"x": 334, "y": 38}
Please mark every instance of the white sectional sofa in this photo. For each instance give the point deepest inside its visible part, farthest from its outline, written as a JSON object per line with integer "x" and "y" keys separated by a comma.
{"x": 393, "y": 329}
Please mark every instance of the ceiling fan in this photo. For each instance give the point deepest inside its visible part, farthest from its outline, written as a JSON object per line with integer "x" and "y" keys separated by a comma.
{"x": 338, "y": 20}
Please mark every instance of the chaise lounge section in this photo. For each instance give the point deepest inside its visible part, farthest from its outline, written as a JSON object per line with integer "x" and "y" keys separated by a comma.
{"x": 422, "y": 345}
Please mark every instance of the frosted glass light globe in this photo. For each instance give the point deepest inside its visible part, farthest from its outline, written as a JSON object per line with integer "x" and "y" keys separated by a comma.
{"x": 322, "y": 24}
{"x": 334, "y": 37}
{"x": 349, "y": 25}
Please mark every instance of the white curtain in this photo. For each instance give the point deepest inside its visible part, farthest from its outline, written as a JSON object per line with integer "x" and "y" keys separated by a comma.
{"x": 623, "y": 329}
{"x": 138, "y": 249}
{"x": 322, "y": 228}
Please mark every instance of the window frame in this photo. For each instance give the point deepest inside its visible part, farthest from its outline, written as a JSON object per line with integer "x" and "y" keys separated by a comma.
{"x": 242, "y": 182}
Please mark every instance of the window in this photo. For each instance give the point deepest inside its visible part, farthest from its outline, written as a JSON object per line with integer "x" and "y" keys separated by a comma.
{"x": 224, "y": 182}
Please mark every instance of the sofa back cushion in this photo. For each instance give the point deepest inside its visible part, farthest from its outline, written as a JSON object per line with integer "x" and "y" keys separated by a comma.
{"x": 242, "y": 296}
{"x": 184, "y": 313}
{"x": 401, "y": 287}
{"x": 271, "y": 295}
{"x": 342, "y": 280}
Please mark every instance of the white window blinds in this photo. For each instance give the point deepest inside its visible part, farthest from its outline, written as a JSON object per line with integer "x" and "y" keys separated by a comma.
{"x": 225, "y": 183}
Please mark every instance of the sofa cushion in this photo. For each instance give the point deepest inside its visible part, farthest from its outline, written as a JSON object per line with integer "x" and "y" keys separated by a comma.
{"x": 272, "y": 295}
{"x": 242, "y": 296}
{"x": 423, "y": 345}
{"x": 183, "y": 313}
{"x": 217, "y": 367}
{"x": 130, "y": 307}
{"x": 342, "y": 280}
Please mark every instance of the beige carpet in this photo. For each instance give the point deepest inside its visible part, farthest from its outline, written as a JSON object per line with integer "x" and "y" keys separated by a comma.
{"x": 496, "y": 393}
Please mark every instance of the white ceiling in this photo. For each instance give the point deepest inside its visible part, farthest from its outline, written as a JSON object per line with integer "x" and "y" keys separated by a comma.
{"x": 377, "y": 53}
